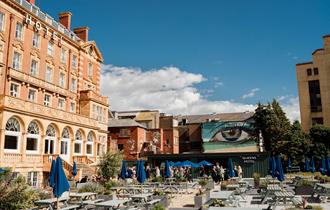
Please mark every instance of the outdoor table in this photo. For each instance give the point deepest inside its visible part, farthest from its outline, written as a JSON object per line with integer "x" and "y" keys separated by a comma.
{"x": 321, "y": 190}
{"x": 83, "y": 196}
{"x": 51, "y": 203}
{"x": 282, "y": 196}
{"x": 111, "y": 204}
{"x": 141, "y": 198}
{"x": 235, "y": 208}
{"x": 271, "y": 189}
{"x": 243, "y": 184}
{"x": 232, "y": 187}
{"x": 221, "y": 195}
{"x": 169, "y": 180}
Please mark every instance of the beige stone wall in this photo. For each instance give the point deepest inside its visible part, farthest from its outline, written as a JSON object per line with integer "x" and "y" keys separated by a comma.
{"x": 320, "y": 60}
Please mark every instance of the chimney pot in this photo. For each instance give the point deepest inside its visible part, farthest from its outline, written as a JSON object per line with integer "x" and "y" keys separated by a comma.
{"x": 65, "y": 19}
{"x": 82, "y": 33}
{"x": 31, "y": 1}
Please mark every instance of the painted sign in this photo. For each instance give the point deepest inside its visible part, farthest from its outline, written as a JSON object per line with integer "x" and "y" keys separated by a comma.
{"x": 221, "y": 136}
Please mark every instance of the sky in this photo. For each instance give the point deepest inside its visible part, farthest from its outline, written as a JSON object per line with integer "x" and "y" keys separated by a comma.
{"x": 197, "y": 57}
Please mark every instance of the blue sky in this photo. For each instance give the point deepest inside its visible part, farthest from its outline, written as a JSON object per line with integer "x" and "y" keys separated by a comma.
{"x": 237, "y": 46}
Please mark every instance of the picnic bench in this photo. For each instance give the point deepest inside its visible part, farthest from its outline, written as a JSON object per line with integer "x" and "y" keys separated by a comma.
{"x": 111, "y": 204}
{"x": 52, "y": 202}
{"x": 281, "y": 197}
{"x": 271, "y": 189}
{"x": 322, "y": 191}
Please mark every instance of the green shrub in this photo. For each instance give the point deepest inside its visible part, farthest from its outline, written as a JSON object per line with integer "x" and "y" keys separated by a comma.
{"x": 158, "y": 207}
{"x": 112, "y": 183}
{"x": 217, "y": 203}
{"x": 202, "y": 183}
{"x": 16, "y": 193}
{"x": 92, "y": 187}
{"x": 305, "y": 183}
{"x": 309, "y": 207}
{"x": 157, "y": 179}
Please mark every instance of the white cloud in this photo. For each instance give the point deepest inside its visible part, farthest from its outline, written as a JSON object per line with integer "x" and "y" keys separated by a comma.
{"x": 291, "y": 108}
{"x": 168, "y": 89}
{"x": 251, "y": 93}
{"x": 172, "y": 91}
{"x": 217, "y": 84}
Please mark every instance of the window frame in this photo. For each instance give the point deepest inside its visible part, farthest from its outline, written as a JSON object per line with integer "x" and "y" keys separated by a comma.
{"x": 73, "y": 86}
{"x": 74, "y": 106}
{"x": 50, "y": 48}
{"x": 18, "y": 89}
{"x": 20, "y": 33}
{"x": 36, "y": 67}
{"x": 35, "y": 94}
{"x": 36, "y": 40}
{"x": 74, "y": 64}
{"x": 19, "y": 64}
{"x": 49, "y": 80}
{"x": 61, "y": 82}
{"x": 63, "y": 56}
{"x": 49, "y": 103}
{"x": 61, "y": 101}
{"x": 90, "y": 70}
{"x": 3, "y": 22}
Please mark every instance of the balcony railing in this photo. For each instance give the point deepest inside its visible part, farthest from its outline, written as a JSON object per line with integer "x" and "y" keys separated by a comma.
{"x": 82, "y": 160}
{"x": 33, "y": 108}
{"x": 90, "y": 95}
{"x": 47, "y": 160}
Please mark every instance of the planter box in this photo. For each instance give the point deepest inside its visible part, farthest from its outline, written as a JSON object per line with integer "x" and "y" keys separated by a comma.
{"x": 304, "y": 190}
{"x": 199, "y": 200}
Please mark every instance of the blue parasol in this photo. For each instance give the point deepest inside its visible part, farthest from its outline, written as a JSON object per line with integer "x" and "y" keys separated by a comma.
{"x": 323, "y": 166}
{"x": 279, "y": 169}
{"x": 167, "y": 169}
{"x": 52, "y": 174}
{"x": 307, "y": 169}
{"x": 327, "y": 164}
{"x": 176, "y": 164}
{"x": 141, "y": 172}
{"x": 123, "y": 172}
{"x": 231, "y": 168}
{"x": 273, "y": 167}
{"x": 205, "y": 163}
{"x": 312, "y": 166}
{"x": 188, "y": 163}
{"x": 61, "y": 183}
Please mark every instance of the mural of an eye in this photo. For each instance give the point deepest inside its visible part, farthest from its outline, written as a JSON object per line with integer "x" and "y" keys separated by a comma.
{"x": 231, "y": 135}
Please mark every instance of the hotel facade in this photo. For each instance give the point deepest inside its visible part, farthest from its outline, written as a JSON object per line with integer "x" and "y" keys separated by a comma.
{"x": 314, "y": 87}
{"x": 50, "y": 102}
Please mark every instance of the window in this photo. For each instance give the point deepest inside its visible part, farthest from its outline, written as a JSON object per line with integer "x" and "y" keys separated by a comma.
{"x": 14, "y": 88}
{"x": 50, "y": 140}
{"x": 120, "y": 147}
{"x": 19, "y": 31}
{"x": 49, "y": 74}
{"x": 309, "y": 72}
{"x": 61, "y": 103}
{"x": 90, "y": 70}
{"x": 317, "y": 120}
{"x": 2, "y": 21}
{"x": 12, "y": 135}
{"x": 65, "y": 142}
{"x": 89, "y": 144}
{"x": 124, "y": 132}
{"x": 316, "y": 71}
{"x": 74, "y": 62}
{"x": 32, "y": 178}
{"x": 72, "y": 107}
{"x": 62, "y": 80}
{"x": 73, "y": 84}
{"x": 63, "y": 55}
{"x": 32, "y": 95}
{"x": 34, "y": 67}
{"x": 78, "y": 142}
{"x": 50, "y": 49}
{"x": 167, "y": 141}
{"x": 33, "y": 137}
{"x": 47, "y": 100}
{"x": 36, "y": 40}
{"x": 315, "y": 96}
{"x": 17, "y": 61}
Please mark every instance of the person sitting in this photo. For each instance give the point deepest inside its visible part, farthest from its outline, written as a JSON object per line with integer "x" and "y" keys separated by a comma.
{"x": 84, "y": 179}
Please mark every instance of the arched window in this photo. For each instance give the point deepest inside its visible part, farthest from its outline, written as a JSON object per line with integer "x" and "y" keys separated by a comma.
{"x": 33, "y": 136}
{"x": 50, "y": 140}
{"x": 78, "y": 142}
{"x": 89, "y": 144}
{"x": 65, "y": 143}
{"x": 12, "y": 135}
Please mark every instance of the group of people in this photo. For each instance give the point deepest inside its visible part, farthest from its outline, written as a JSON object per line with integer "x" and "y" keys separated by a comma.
{"x": 219, "y": 173}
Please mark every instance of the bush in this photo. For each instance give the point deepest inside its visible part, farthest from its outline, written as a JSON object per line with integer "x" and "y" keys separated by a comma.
{"x": 16, "y": 193}
{"x": 157, "y": 179}
{"x": 202, "y": 183}
{"x": 158, "y": 207}
{"x": 92, "y": 187}
{"x": 217, "y": 203}
{"x": 109, "y": 166}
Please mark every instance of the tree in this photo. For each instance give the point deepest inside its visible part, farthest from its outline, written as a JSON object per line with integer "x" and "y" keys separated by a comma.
{"x": 15, "y": 193}
{"x": 270, "y": 119}
{"x": 299, "y": 144}
{"x": 109, "y": 165}
{"x": 320, "y": 136}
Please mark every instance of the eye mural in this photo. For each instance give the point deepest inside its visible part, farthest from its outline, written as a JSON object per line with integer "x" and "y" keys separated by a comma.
{"x": 228, "y": 136}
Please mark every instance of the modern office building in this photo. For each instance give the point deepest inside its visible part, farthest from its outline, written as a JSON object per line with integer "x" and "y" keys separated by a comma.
{"x": 314, "y": 87}
{"x": 50, "y": 102}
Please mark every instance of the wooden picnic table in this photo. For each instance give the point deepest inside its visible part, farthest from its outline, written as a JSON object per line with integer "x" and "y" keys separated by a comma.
{"x": 232, "y": 187}
{"x": 81, "y": 197}
{"x": 281, "y": 197}
{"x": 321, "y": 190}
{"x": 52, "y": 202}
{"x": 235, "y": 208}
{"x": 111, "y": 204}
{"x": 141, "y": 198}
{"x": 221, "y": 195}
{"x": 271, "y": 189}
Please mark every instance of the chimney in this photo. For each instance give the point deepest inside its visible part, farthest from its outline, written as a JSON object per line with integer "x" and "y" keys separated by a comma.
{"x": 82, "y": 33}
{"x": 326, "y": 41}
{"x": 65, "y": 19}
{"x": 31, "y": 1}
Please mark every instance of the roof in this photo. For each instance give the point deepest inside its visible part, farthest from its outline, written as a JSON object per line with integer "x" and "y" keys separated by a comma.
{"x": 238, "y": 116}
{"x": 116, "y": 123}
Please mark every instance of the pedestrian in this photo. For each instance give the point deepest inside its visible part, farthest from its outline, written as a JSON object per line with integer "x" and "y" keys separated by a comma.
{"x": 157, "y": 171}
{"x": 239, "y": 171}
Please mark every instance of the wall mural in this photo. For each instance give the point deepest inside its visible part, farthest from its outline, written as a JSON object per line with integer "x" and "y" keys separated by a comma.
{"x": 220, "y": 136}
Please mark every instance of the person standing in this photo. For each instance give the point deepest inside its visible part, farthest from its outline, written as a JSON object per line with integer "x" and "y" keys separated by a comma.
{"x": 157, "y": 171}
{"x": 239, "y": 171}
{"x": 222, "y": 172}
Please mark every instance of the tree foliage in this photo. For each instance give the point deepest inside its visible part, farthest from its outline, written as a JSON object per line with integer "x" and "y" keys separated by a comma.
{"x": 15, "y": 193}
{"x": 109, "y": 165}
{"x": 320, "y": 137}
